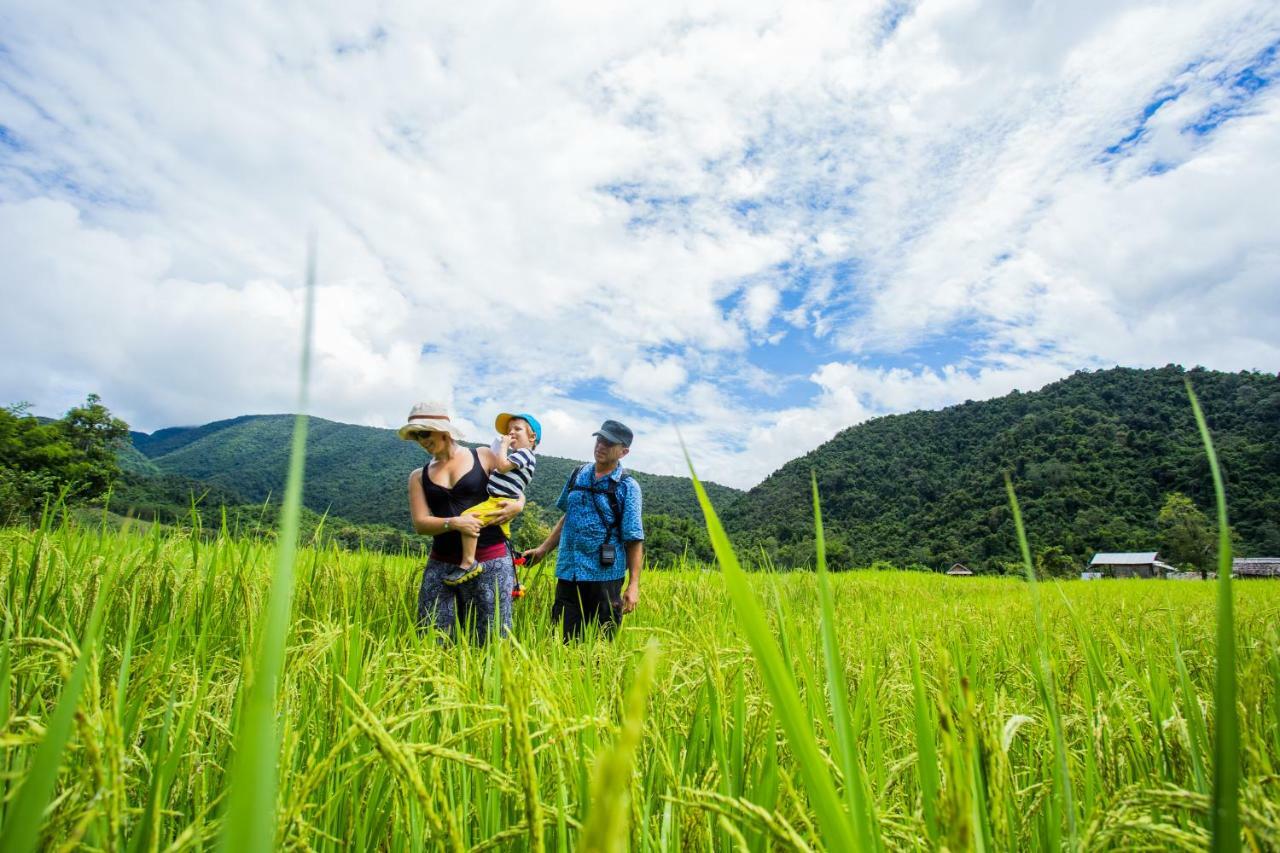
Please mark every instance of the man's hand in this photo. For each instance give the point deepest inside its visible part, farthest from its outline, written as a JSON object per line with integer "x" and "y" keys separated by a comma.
{"x": 630, "y": 596}
{"x": 533, "y": 556}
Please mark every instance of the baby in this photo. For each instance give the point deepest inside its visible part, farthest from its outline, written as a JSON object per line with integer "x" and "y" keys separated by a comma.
{"x": 518, "y": 436}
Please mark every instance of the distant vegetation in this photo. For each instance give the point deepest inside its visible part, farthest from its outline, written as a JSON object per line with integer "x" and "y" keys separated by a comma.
{"x": 358, "y": 475}
{"x": 232, "y": 472}
{"x": 1094, "y": 459}
{"x": 355, "y": 472}
{"x": 1102, "y": 461}
{"x": 42, "y": 459}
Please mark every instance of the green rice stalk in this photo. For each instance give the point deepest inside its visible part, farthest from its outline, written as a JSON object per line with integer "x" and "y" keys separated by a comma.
{"x": 860, "y": 808}
{"x": 249, "y": 823}
{"x": 739, "y": 840}
{"x": 837, "y": 829}
{"x": 778, "y": 828}
{"x": 25, "y": 814}
{"x": 926, "y": 748}
{"x": 400, "y": 762}
{"x": 1197, "y": 731}
{"x": 1226, "y": 747}
{"x": 5, "y": 699}
{"x": 517, "y": 696}
{"x": 1048, "y": 686}
{"x": 606, "y": 828}
{"x": 506, "y": 839}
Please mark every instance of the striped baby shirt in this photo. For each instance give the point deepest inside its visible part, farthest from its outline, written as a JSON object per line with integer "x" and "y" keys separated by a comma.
{"x": 513, "y": 483}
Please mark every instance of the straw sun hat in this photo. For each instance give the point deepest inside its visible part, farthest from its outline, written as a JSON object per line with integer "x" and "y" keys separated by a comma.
{"x": 428, "y": 417}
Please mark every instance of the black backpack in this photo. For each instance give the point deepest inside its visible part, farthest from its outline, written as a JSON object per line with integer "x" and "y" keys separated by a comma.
{"x": 610, "y": 492}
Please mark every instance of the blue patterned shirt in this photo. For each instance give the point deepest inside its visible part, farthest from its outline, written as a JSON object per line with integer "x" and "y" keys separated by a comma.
{"x": 582, "y": 535}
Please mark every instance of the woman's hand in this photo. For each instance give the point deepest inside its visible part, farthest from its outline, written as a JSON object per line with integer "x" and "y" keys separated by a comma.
{"x": 468, "y": 524}
{"x": 508, "y": 511}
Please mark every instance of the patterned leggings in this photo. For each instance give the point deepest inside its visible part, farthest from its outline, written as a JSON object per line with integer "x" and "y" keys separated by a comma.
{"x": 473, "y": 604}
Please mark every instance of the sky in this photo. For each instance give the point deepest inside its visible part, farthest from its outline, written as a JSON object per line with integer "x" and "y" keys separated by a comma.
{"x": 747, "y": 225}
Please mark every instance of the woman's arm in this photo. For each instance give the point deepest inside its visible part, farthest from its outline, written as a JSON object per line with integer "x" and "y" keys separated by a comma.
{"x": 431, "y": 525}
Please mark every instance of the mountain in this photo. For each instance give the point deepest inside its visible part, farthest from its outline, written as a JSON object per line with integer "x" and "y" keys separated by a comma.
{"x": 356, "y": 472}
{"x": 1092, "y": 458}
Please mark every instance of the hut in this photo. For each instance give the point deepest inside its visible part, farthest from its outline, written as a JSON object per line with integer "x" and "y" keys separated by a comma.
{"x": 1141, "y": 564}
{"x": 959, "y": 570}
{"x": 1252, "y": 568}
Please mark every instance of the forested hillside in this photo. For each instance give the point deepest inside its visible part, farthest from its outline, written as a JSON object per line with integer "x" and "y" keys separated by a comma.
{"x": 1092, "y": 457}
{"x": 356, "y": 472}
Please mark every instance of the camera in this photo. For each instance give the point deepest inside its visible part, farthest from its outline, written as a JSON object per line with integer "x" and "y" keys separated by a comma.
{"x": 606, "y": 555}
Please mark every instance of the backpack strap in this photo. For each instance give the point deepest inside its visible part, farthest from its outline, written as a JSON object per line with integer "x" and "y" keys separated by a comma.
{"x": 610, "y": 491}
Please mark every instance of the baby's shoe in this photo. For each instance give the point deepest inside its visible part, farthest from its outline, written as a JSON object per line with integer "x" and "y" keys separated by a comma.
{"x": 462, "y": 574}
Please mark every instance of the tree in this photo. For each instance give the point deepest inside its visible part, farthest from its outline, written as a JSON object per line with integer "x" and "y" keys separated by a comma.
{"x": 529, "y": 528}
{"x": 96, "y": 434}
{"x": 1053, "y": 562}
{"x": 671, "y": 540}
{"x": 1187, "y": 538}
{"x": 41, "y": 460}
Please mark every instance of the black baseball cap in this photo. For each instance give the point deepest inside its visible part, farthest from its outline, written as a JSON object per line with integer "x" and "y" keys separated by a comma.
{"x": 615, "y": 433}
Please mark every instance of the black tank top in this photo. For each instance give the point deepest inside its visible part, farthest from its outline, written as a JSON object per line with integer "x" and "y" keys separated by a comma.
{"x": 471, "y": 489}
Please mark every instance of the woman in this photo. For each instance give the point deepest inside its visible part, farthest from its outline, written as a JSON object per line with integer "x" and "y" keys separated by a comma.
{"x": 454, "y": 479}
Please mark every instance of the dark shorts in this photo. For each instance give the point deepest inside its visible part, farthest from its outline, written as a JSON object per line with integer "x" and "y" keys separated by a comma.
{"x": 481, "y": 604}
{"x": 579, "y": 602}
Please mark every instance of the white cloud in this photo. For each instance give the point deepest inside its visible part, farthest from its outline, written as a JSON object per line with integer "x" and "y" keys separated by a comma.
{"x": 517, "y": 207}
{"x": 644, "y": 381}
{"x": 759, "y": 305}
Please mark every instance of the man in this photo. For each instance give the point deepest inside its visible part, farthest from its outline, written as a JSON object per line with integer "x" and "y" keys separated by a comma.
{"x": 601, "y": 539}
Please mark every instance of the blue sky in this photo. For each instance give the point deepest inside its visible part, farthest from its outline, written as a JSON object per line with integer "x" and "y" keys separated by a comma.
{"x": 756, "y": 223}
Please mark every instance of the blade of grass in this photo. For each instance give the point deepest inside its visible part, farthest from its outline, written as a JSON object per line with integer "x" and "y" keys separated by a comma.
{"x": 22, "y": 828}
{"x": 1197, "y": 732}
{"x": 1226, "y": 747}
{"x": 606, "y": 825}
{"x": 249, "y": 822}
{"x": 926, "y": 748}
{"x": 850, "y": 764}
{"x": 1048, "y": 687}
{"x": 833, "y": 820}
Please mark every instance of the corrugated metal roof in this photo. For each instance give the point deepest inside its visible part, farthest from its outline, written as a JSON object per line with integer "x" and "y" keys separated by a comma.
{"x": 1129, "y": 559}
{"x": 1256, "y": 566}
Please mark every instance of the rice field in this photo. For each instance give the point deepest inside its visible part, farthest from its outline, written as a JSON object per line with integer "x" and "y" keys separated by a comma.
{"x": 937, "y": 731}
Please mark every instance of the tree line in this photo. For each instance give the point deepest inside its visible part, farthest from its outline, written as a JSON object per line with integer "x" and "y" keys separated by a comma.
{"x": 77, "y": 460}
{"x": 1101, "y": 461}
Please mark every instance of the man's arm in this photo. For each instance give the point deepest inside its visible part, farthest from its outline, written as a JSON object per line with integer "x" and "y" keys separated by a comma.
{"x": 635, "y": 562}
{"x": 534, "y": 555}
{"x": 633, "y": 540}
